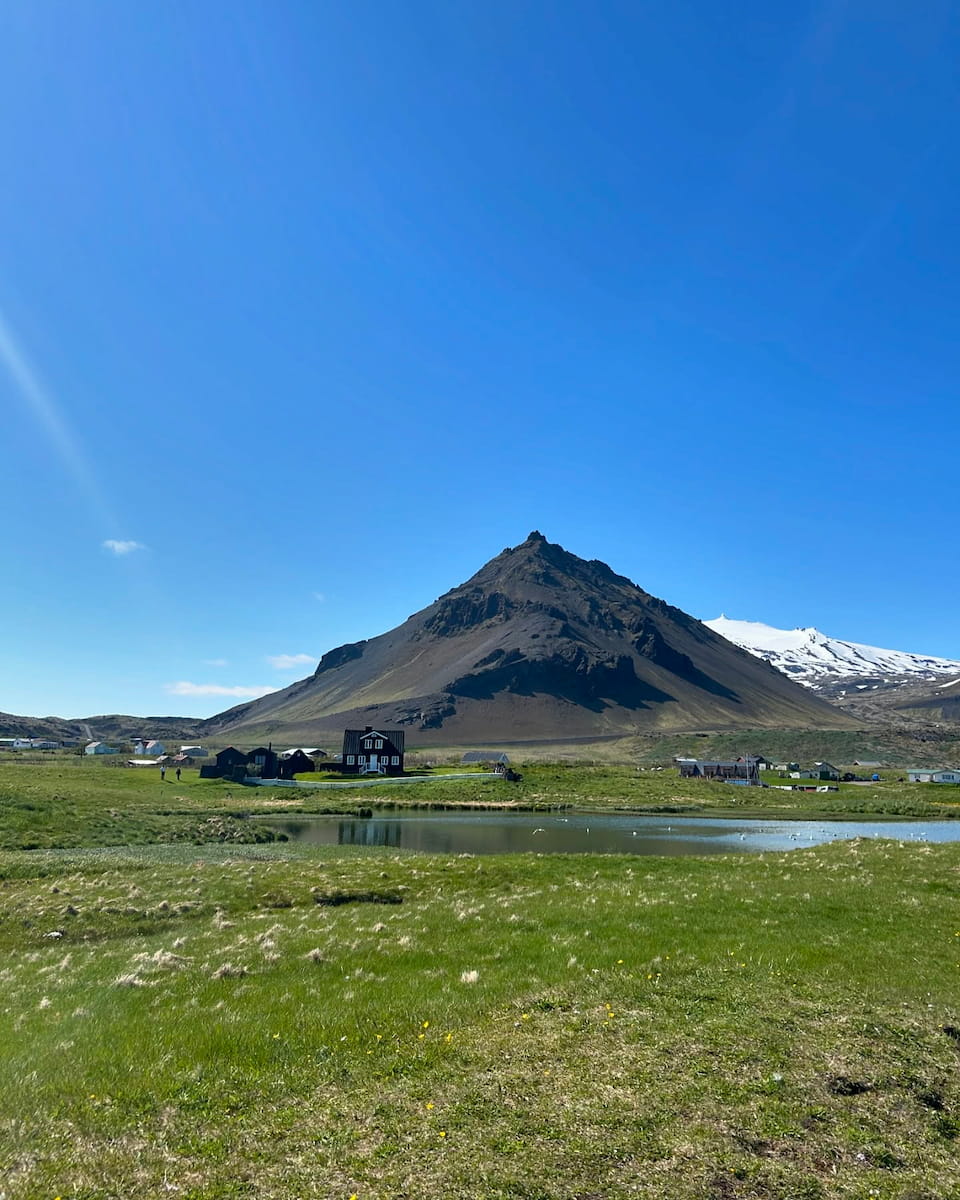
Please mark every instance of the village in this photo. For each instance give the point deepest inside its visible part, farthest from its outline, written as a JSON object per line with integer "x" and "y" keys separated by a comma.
{"x": 370, "y": 751}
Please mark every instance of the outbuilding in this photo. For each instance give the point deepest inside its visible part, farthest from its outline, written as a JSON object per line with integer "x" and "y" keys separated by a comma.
{"x": 934, "y": 775}
{"x": 295, "y": 762}
{"x": 264, "y": 763}
{"x": 98, "y": 748}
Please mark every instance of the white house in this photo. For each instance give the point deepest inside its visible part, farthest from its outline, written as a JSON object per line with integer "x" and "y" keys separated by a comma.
{"x": 154, "y": 747}
{"x": 194, "y": 751}
{"x": 98, "y": 748}
{"x": 934, "y": 775}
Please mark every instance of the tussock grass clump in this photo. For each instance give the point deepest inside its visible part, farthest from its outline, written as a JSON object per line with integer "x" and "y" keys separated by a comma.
{"x": 229, "y": 970}
{"x": 336, "y": 898}
{"x": 748, "y": 1027}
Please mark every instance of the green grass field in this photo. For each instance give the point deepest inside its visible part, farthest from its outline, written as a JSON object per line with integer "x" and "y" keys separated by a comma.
{"x": 235, "y": 1019}
{"x": 71, "y": 804}
{"x": 257, "y": 1022}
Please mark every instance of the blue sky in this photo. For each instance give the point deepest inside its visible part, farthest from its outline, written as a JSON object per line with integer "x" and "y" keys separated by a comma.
{"x": 307, "y": 310}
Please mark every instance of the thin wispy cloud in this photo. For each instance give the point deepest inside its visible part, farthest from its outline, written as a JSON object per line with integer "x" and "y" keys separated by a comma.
{"x": 321, "y": 596}
{"x": 116, "y": 547}
{"x": 287, "y": 662}
{"x": 184, "y": 688}
{"x": 47, "y": 414}
{"x": 216, "y": 662}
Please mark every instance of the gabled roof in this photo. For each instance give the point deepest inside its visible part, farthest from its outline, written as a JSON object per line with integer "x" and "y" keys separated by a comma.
{"x": 353, "y": 737}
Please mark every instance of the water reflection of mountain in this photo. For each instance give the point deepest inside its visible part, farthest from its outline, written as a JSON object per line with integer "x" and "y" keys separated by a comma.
{"x": 370, "y": 833}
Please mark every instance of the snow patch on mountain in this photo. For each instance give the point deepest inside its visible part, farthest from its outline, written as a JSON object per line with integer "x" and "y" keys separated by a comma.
{"x": 812, "y": 658}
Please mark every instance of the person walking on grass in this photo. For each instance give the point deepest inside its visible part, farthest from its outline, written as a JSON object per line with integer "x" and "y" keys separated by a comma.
{"x": 163, "y": 774}
{"x": 178, "y": 774}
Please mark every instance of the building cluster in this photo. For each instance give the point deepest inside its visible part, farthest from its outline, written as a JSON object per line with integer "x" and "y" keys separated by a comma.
{"x": 29, "y": 743}
{"x": 365, "y": 751}
{"x": 745, "y": 770}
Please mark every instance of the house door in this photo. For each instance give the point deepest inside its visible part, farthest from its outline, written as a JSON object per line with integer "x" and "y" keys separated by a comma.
{"x": 372, "y": 765}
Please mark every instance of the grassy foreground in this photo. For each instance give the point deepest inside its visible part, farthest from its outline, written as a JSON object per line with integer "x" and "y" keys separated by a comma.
{"x": 281, "y": 1022}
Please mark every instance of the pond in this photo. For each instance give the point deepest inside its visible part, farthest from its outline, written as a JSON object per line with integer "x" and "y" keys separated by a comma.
{"x": 470, "y": 832}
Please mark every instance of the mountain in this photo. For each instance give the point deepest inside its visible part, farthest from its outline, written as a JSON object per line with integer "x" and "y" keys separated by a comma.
{"x": 538, "y": 645}
{"x": 937, "y": 703}
{"x": 107, "y": 728}
{"x": 829, "y": 665}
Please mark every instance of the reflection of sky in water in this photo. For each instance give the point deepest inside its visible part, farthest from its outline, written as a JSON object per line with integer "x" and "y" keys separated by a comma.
{"x": 597, "y": 833}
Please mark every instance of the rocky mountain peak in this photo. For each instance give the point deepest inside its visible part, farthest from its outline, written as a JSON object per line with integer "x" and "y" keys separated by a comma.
{"x": 542, "y": 643}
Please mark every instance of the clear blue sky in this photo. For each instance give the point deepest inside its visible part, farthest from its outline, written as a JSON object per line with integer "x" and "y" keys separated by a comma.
{"x": 321, "y": 305}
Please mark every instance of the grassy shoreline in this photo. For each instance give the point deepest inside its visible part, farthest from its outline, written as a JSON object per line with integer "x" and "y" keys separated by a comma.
{"x": 46, "y": 806}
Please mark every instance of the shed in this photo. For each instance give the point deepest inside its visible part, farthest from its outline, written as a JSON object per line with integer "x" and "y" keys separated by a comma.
{"x": 263, "y": 763}
{"x": 295, "y": 762}
{"x": 485, "y": 756}
{"x": 228, "y": 759}
{"x": 98, "y": 748}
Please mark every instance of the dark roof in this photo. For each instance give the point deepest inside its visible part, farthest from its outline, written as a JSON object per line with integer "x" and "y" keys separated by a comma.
{"x": 351, "y": 738}
{"x": 232, "y": 752}
{"x": 481, "y": 756}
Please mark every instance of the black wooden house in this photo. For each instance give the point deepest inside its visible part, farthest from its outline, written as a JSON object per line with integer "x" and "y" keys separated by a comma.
{"x": 228, "y": 761}
{"x": 295, "y": 763}
{"x": 372, "y": 751}
{"x": 263, "y": 763}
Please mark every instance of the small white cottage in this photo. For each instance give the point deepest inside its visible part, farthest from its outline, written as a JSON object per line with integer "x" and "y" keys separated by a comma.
{"x": 933, "y": 775}
{"x": 98, "y": 748}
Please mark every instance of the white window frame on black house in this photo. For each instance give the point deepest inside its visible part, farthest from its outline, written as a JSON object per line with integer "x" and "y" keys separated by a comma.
{"x": 349, "y": 760}
{"x": 395, "y": 760}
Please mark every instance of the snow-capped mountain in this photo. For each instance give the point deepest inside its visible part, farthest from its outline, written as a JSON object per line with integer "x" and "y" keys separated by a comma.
{"x": 812, "y": 658}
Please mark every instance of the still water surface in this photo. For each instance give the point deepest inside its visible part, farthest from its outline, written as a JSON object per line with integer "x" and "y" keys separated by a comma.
{"x": 597, "y": 833}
